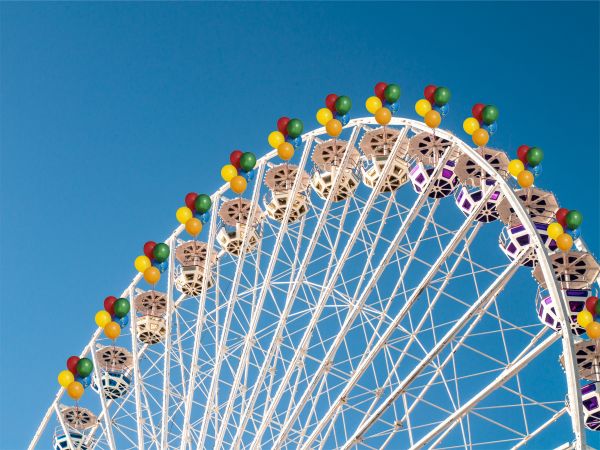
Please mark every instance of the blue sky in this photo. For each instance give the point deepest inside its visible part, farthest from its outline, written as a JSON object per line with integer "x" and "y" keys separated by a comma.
{"x": 110, "y": 113}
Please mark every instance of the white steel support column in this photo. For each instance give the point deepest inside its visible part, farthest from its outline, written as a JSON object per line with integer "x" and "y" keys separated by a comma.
{"x": 137, "y": 379}
{"x": 105, "y": 413}
{"x": 63, "y": 426}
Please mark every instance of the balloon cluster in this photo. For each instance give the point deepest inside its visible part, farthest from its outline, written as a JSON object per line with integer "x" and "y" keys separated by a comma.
{"x": 566, "y": 228}
{"x": 114, "y": 316}
{"x": 77, "y": 376}
{"x": 287, "y": 137}
{"x": 153, "y": 262}
{"x": 384, "y": 103}
{"x": 434, "y": 106}
{"x": 194, "y": 213}
{"x": 239, "y": 170}
{"x": 589, "y": 318}
{"x": 482, "y": 124}
{"x": 527, "y": 165}
{"x": 335, "y": 115}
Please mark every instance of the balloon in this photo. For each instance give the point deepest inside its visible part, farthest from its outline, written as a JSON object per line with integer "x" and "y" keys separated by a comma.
{"x": 422, "y": 107}
{"x": 122, "y": 306}
{"x": 142, "y": 262}
{"x": 564, "y": 242}
{"x": 286, "y": 151}
{"x": 392, "y": 93}
{"x": 294, "y": 128}
{"x": 249, "y": 176}
{"x": 522, "y": 153}
{"x": 122, "y": 321}
{"x": 534, "y": 156}
{"x": 193, "y": 227}
{"x": 275, "y": 138}
{"x": 334, "y": 127}
{"x": 204, "y": 217}
{"x": 593, "y": 330}
{"x": 537, "y": 170}
{"x": 161, "y": 252}
{"x": 202, "y": 203}
{"x": 330, "y": 102}
{"x": 161, "y": 266}
{"x": 72, "y": 364}
{"x": 182, "y": 215}
{"x": 75, "y": 390}
{"x": 373, "y": 104}
{"x": 477, "y": 110}
{"x": 515, "y": 167}
{"x": 573, "y": 219}
{"x": 343, "y": 104}
{"x": 190, "y": 199}
{"x": 383, "y": 116}
{"x": 112, "y": 330}
{"x": 234, "y": 159}
{"x": 102, "y": 318}
{"x": 228, "y": 171}
{"x": 480, "y": 137}
{"x": 85, "y": 381}
{"x": 282, "y": 124}
{"x": 491, "y": 128}
{"x": 470, "y": 125}
{"x": 238, "y": 184}
{"x": 489, "y": 114}
{"x": 525, "y": 179}
{"x": 149, "y": 249}
{"x": 324, "y": 115}
{"x": 65, "y": 378}
{"x": 108, "y": 304}
{"x": 380, "y": 90}
{"x": 554, "y": 230}
{"x": 84, "y": 367}
{"x": 591, "y": 304}
{"x": 444, "y": 110}
{"x": 561, "y": 216}
{"x": 575, "y": 234}
{"x": 433, "y": 119}
{"x": 248, "y": 160}
{"x": 152, "y": 275}
{"x": 344, "y": 119}
{"x": 584, "y": 318}
{"x": 429, "y": 93}
{"x": 442, "y": 96}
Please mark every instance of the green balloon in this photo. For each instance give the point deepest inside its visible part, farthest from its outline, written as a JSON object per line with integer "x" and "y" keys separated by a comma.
{"x": 84, "y": 367}
{"x": 343, "y": 104}
{"x": 121, "y": 307}
{"x": 294, "y": 128}
{"x": 535, "y": 156}
{"x": 441, "y": 96}
{"x": 574, "y": 219}
{"x": 392, "y": 93}
{"x": 161, "y": 252}
{"x": 489, "y": 114}
{"x": 248, "y": 161}
{"x": 203, "y": 203}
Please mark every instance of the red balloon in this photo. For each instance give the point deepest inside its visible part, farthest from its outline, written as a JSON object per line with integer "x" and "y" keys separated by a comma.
{"x": 330, "y": 101}
{"x": 281, "y": 126}
{"x": 477, "y": 110}
{"x": 522, "y": 153}
{"x": 234, "y": 159}
{"x": 190, "y": 202}
{"x": 380, "y": 90}
{"x": 109, "y": 304}
{"x": 149, "y": 246}
{"x": 72, "y": 364}
{"x": 561, "y": 216}
{"x": 591, "y": 303}
{"x": 429, "y": 92}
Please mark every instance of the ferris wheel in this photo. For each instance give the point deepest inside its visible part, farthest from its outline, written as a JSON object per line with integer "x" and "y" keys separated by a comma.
{"x": 389, "y": 287}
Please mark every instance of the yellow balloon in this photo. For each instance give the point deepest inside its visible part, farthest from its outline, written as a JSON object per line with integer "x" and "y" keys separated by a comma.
{"x": 65, "y": 378}
{"x": 555, "y": 229}
{"x": 324, "y": 115}
{"x": 515, "y": 167}
{"x": 470, "y": 125}
{"x": 584, "y": 318}
{"x": 75, "y": 390}
{"x": 112, "y": 330}
{"x": 480, "y": 137}
{"x": 334, "y": 128}
{"x": 102, "y": 318}
{"x": 193, "y": 227}
{"x": 422, "y": 107}
{"x": 373, "y": 104}
{"x": 593, "y": 330}
{"x": 229, "y": 171}
{"x": 433, "y": 119}
{"x": 238, "y": 184}
{"x": 184, "y": 214}
{"x": 141, "y": 263}
{"x": 152, "y": 275}
{"x": 286, "y": 151}
{"x": 564, "y": 242}
{"x": 383, "y": 116}
{"x": 276, "y": 138}
{"x": 525, "y": 179}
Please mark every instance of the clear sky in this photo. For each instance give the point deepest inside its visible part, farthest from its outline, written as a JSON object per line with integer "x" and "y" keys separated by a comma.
{"x": 111, "y": 112}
